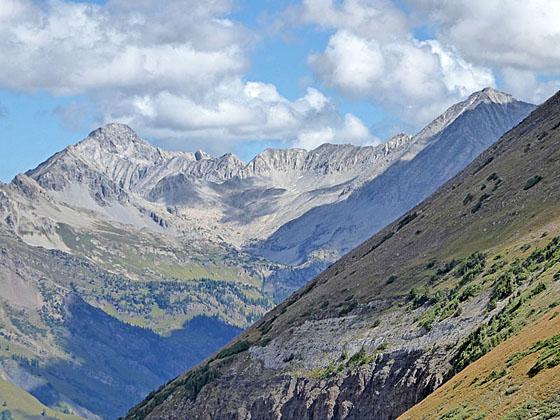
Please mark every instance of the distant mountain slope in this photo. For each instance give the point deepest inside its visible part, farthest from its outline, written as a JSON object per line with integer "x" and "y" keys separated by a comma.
{"x": 66, "y": 352}
{"x": 436, "y": 154}
{"x": 128, "y": 235}
{"x": 63, "y": 350}
{"x": 394, "y": 319}
{"x": 114, "y": 172}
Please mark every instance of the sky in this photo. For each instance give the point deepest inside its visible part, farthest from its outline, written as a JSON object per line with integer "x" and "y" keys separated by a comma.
{"x": 240, "y": 76}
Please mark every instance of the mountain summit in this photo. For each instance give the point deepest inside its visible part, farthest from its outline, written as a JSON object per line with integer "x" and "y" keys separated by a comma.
{"x": 492, "y": 95}
{"x": 484, "y": 96}
{"x": 114, "y": 135}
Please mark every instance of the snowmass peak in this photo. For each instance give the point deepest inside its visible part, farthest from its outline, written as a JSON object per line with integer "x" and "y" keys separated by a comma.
{"x": 115, "y": 134}
{"x": 489, "y": 95}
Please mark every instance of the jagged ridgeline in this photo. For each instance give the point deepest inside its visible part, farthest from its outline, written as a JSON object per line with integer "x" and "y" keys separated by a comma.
{"x": 463, "y": 289}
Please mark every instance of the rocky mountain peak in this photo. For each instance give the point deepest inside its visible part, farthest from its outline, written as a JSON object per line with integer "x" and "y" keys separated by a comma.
{"x": 116, "y": 141}
{"x": 115, "y": 135}
{"x": 487, "y": 95}
{"x": 201, "y": 155}
{"x": 229, "y": 161}
{"x": 277, "y": 159}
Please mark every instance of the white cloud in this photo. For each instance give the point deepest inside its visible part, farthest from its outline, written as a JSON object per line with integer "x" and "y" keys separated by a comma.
{"x": 350, "y": 130}
{"x": 457, "y": 74}
{"x": 177, "y": 69}
{"x": 313, "y": 100}
{"x": 240, "y": 111}
{"x": 68, "y": 48}
{"x": 371, "y": 19}
{"x": 351, "y": 63}
{"x": 262, "y": 91}
{"x": 509, "y": 33}
{"x": 525, "y": 84}
{"x": 171, "y": 69}
{"x": 310, "y": 139}
{"x": 517, "y": 38}
{"x": 372, "y": 54}
{"x": 355, "y": 130}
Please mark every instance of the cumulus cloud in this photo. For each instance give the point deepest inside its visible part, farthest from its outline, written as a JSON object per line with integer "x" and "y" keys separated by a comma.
{"x": 525, "y": 84}
{"x": 351, "y": 63}
{"x": 377, "y": 19}
{"x": 241, "y": 111}
{"x": 372, "y": 54}
{"x": 518, "y": 38}
{"x": 171, "y": 69}
{"x": 350, "y": 130}
{"x": 176, "y": 70}
{"x": 512, "y": 33}
{"x": 68, "y": 48}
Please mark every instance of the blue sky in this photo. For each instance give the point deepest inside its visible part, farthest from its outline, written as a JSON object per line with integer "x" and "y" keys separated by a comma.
{"x": 245, "y": 75}
{"x": 31, "y": 131}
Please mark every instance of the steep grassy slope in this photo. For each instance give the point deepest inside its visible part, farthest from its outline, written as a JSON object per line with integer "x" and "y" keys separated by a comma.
{"x": 394, "y": 319}
{"x": 518, "y": 379}
{"x": 16, "y": 404}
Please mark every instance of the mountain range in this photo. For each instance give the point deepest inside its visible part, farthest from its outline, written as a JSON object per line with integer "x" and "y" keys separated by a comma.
{"x": 122, "y": 264}
{"x": 459, "y": 296}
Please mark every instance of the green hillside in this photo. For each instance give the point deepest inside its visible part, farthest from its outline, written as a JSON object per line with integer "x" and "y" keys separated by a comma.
{"x": 15, "y": 403}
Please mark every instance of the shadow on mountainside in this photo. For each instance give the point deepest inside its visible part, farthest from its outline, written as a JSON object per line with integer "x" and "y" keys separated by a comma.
{"x": 115, "y": 364}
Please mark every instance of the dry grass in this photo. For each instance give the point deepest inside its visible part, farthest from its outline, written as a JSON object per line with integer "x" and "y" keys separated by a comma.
{"x": 22, "y": 405}
{"x": 491, "y": 386}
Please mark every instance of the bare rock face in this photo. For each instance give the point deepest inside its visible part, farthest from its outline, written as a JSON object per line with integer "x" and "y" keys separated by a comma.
{"x": 381, "y": 390}
{"x": 200, "y": 155}
{"x": 7, "y": 215}
{"x": 175, "y": 190}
